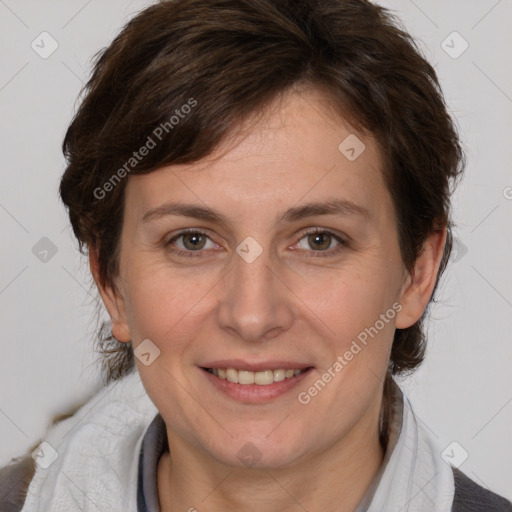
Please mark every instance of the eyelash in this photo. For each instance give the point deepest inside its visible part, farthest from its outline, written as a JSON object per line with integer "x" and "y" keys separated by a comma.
{"x": 322, "y": 254}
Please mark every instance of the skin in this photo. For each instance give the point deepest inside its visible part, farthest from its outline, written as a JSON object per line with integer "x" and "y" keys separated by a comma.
{"x": 298, "y": 301}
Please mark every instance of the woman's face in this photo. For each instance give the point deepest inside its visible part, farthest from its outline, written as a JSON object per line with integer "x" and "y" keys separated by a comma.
{"x": 258, "y": 291}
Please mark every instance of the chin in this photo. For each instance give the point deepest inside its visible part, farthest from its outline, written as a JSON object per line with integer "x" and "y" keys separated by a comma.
{"x": 262, "y": 451}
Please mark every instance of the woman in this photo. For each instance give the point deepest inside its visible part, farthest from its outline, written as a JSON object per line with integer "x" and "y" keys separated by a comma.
{"x": 263, "y": 192}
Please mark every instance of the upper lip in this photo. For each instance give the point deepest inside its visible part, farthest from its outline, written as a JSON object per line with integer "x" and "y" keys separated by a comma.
{"x": 240, "y": 364}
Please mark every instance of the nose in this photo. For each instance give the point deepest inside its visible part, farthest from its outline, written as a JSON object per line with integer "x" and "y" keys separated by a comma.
{"x": 256, "y": 304}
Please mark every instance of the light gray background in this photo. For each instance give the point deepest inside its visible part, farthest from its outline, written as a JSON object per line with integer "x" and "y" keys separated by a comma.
{"x": 462, "y": 393}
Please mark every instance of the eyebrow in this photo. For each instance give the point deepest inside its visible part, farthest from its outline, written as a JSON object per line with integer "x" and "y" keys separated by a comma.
{"x": 331, "y": 207}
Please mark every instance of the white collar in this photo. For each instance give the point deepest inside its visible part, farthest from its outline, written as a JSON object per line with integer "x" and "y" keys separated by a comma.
{"x": 413, "y": 476}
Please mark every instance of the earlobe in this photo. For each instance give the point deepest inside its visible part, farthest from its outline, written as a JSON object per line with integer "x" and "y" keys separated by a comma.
{"x": 113, "y": 301}
{"x": 420, "y": 284}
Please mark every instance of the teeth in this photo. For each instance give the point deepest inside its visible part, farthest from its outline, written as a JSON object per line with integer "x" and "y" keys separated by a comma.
{"x": 232, "y": 375}
{"x": 279, "y": 375}
{"x": 263, "y": 378}
{"x": 245, "y": 377}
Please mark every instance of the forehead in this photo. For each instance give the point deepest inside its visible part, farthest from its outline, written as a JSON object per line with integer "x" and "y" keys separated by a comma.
{"x": 295, "y": 150}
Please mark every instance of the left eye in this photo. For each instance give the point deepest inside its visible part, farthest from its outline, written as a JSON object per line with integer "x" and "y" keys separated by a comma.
{"x": 320, "y": 241}
{"x": 192, "y": 241}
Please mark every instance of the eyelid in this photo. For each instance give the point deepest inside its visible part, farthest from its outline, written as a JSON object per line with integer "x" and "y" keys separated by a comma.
{"x": 317, "y": 229}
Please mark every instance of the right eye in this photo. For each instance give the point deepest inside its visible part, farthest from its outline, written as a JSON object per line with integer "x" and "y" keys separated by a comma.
{"x": 192, "y": 240}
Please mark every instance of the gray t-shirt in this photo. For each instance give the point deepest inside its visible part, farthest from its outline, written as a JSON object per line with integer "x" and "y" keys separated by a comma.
{"x": 153, "y": 446}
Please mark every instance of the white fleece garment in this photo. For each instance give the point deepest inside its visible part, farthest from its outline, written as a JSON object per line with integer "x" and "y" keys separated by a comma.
{"x": 98, "y": 453}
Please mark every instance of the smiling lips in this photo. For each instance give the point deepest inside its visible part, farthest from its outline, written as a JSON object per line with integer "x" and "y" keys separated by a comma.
{"x": 261, "y": 378}
{"x": 255, "y": 382}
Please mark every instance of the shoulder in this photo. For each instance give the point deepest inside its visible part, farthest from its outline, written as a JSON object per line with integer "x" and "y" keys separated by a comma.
{"x": 15, "y": 478}
{"x": 14, "y": 482}
{"x": 471, "y": 497}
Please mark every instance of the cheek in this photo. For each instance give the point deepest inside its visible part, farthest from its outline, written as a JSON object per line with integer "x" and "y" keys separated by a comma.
{"x": 360, "y": 314}
{"x": 352, "y": 298}
{"x": 168, "y": 306}
{"x": 357, "y": 307}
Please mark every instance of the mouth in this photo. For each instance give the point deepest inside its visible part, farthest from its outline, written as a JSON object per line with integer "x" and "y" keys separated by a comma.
{"x": 258, "y": 386}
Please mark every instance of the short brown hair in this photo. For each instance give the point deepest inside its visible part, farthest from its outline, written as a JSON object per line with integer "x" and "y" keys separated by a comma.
{"x": 232, "y": 57}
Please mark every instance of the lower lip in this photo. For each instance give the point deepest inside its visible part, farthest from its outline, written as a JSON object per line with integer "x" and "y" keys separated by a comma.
{"x": 254, "y": 393}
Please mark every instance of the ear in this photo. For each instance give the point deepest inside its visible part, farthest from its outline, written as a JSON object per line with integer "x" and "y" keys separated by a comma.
{"x": 419, "y": 285}
{"x": 113, "y": 300}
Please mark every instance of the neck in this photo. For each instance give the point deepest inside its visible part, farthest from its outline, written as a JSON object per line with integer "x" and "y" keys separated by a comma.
{"x": 336, "y": 479}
